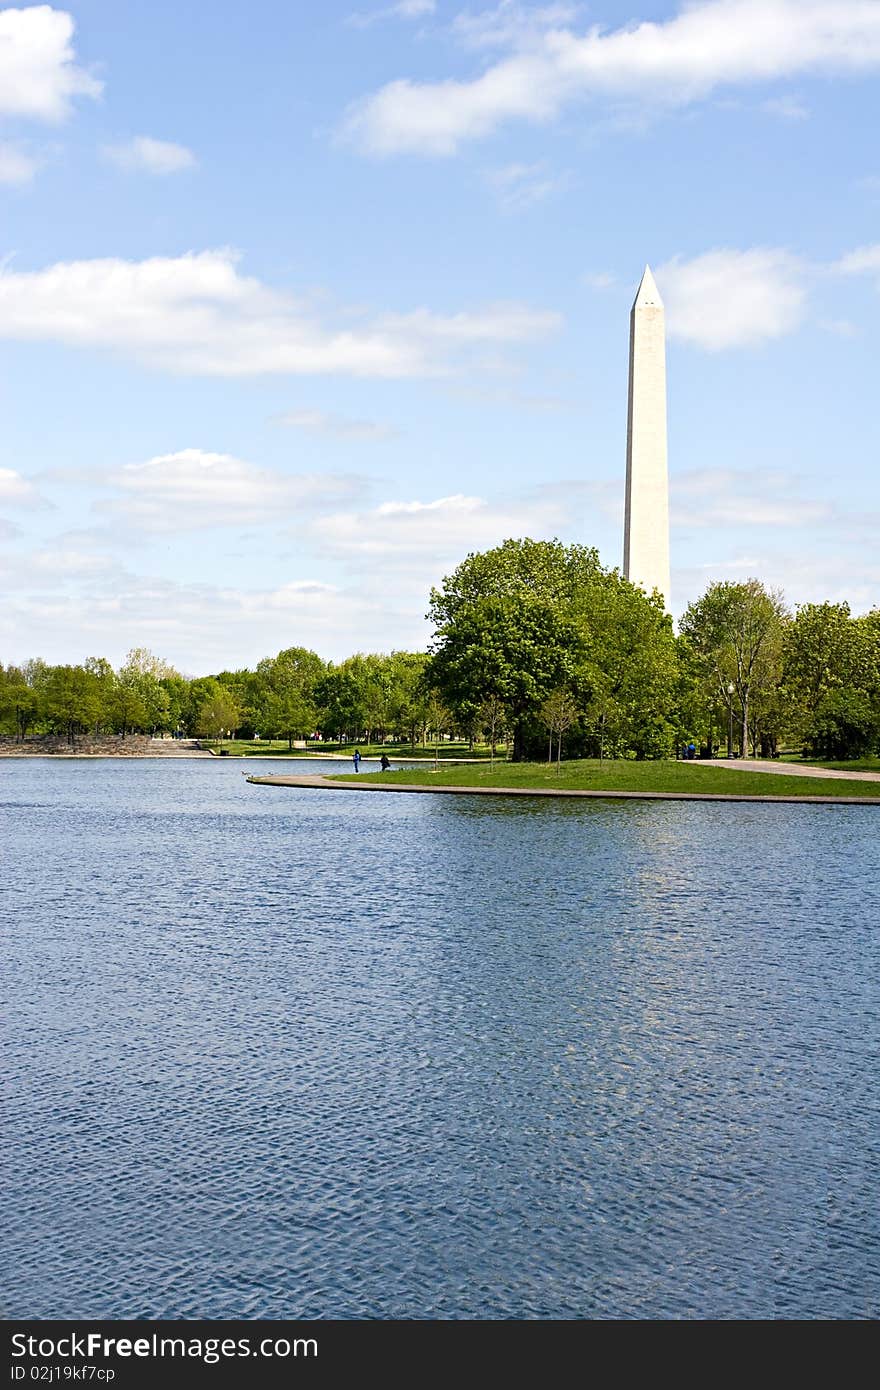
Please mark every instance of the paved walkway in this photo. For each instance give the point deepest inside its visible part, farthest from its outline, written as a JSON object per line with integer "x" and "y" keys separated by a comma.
{"x": 331, "y": 784}
{"x": 789, "y": 769}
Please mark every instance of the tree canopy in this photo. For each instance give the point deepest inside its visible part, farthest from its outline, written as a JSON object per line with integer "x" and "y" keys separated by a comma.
{"x": 531, "y": 618}
{"x": 530, "y": 638}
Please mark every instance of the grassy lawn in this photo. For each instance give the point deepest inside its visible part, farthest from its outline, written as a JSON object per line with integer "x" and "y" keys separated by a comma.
{"x": 277, "y": 748}
{"x": 592, "y": 775}
{"x": 854, "y": 765}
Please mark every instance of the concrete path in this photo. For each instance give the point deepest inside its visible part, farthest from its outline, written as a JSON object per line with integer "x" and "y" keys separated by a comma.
{"x": 331, "y": 784}
{"x": 789, "y": 769}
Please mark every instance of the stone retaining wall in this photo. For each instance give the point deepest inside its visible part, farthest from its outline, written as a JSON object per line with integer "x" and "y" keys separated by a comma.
{"x": 106, "y": 746}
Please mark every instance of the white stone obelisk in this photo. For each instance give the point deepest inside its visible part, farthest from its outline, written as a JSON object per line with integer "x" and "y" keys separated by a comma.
{"x": 646, "y": 523}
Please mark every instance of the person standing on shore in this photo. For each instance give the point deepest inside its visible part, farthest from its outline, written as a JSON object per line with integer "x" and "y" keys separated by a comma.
{"x": 357, "y": 760}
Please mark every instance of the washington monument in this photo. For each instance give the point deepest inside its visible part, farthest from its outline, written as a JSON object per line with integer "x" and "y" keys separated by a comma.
{"x": 646, "y": 524}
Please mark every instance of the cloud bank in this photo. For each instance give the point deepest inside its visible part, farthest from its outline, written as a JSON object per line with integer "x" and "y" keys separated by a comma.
{"x": 706, "y": 47}
{"x": 198, "y": 314}
{"x": 195, "y": 489}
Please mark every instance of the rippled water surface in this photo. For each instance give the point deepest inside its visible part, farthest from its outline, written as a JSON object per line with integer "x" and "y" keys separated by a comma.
{"x": 276, "y": 1053}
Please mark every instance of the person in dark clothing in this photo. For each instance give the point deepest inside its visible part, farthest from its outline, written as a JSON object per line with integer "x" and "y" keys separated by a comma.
{"x": 384, "y": 763}
{"x": 356, "y": 759}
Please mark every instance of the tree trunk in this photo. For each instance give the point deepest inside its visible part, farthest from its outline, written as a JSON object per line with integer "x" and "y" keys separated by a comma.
{"x": 518, "y": 742}
{"x": 745, "y": 725}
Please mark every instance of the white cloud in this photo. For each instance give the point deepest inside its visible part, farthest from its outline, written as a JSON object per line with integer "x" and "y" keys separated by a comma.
{"x": 511, "y": 24}
{"x": 17, "y": 491}
{"x": 599, "y": 280}
{"x": 723, "y": 498}
{"x": 143, "y": 154}
{"x": 863, "y": 261}
{"x": 194, "y": 489}
{"x": 39, "y": 75}
{"x": 429, "y": 536}
{"x": 787, "y": 108}
{"x": 841, "y": 328}
{"x": 494, "y": 323}
{"x": 706, "y": 46}
{"x": 399, "y": 549}
{"x": 197, "y": 627}
{"x": 727, "y": 298}
{"x": 65, "y": 563}
{"x": 404, "y": 9}
{"x": 505, "y": 396}
{"x": 519, "y": 186}
{"x": 338, "y": 426}
{"x": 198, "y": 314}
{"x": 834, "y": 575}
{"x": 16, "y": 166}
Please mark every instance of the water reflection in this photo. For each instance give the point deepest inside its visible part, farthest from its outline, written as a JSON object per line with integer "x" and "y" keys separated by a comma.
{"x": 285, "y": 1052}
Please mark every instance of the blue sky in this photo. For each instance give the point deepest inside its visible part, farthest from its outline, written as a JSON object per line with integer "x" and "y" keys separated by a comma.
{"x": 298, "y": 305}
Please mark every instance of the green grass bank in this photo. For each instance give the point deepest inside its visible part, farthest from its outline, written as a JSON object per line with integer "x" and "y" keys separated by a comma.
{"x": 853, "y": 765}
{"x": 592, "y": 775}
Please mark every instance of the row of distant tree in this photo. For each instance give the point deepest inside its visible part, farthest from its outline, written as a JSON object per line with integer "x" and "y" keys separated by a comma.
{"x": 292, "y": 695}
{"x": 536, "y": 645}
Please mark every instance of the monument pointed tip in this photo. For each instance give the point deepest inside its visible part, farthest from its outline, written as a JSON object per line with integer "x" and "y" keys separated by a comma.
{"x": 648, "y": 293}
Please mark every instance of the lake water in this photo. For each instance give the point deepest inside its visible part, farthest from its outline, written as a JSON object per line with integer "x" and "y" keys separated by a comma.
{"x": 286, "y": 1053}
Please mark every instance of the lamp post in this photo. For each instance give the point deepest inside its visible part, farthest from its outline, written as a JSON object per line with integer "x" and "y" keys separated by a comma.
{"x": 730, "y": 690}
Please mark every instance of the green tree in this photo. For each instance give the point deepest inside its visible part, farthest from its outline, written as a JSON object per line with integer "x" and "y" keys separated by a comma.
{"x": 284, "y": 693}
{"x": 406, "y": 693}
{"x": 492, "y": 715}
{"x": 626, "y": 668}
{"x": 735, "y": 635}
{"x": 340, "y": 699}
{"x": 18, "y": 701}
{"x": 126, "y": 708}
{"x": 218, "y": 713}
{"x": 832, "y": 679}
{"x": 105, "y": 682}
{"x": 142, "y": 699}
{"x": 558, "y": 713}
{"x": 176, "y": 692}
{"x": 531, "y": 617}
{"x": 71, "y": 699}
{"x": 504, "y": 627}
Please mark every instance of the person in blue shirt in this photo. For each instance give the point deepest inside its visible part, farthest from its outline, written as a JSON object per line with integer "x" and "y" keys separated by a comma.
{"x": 357, "y": 760}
